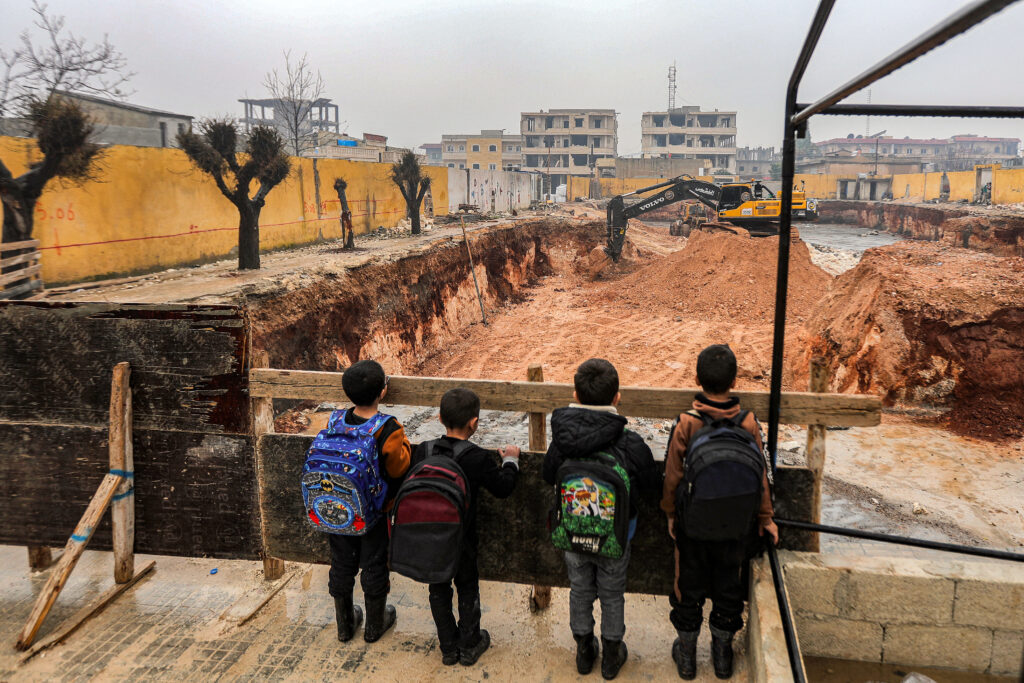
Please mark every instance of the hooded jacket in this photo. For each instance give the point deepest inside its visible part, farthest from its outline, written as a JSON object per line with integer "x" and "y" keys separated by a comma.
{"x": 581, "y": 430}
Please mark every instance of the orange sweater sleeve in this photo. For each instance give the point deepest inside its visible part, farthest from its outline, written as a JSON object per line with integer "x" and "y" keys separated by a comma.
{"x": 674, "y": 468}
{"x": 397, "y": 453}
{"x": 766, "y": 512}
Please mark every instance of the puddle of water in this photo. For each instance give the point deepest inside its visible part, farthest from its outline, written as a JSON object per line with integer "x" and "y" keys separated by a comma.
{"x": 846, "y": 237}
{"x": 827, "y": 670}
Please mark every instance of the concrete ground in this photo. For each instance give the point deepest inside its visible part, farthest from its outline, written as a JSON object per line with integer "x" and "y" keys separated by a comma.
{"x": 181, "y": 624}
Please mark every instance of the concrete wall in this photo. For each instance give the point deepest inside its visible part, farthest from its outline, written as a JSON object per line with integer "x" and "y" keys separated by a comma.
{"x": 490, "y": 190}
{"x": 153, "y": 210}
{"x": 1007, "y": 186}
{"x": 959, "y": 614}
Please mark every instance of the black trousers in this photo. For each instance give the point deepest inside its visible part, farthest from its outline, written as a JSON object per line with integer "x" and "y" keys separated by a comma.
{"x": 466, "y": 633}
{"x": 369, "y": 553}
{"x": 710, "y": 569}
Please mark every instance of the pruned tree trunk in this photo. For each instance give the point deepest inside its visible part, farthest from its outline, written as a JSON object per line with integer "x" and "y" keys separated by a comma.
{"x": 414, "y": 216}
{"x": 248, "y": 238}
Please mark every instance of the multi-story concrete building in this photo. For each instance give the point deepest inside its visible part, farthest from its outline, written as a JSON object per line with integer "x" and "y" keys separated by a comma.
{"x": 568, "y": 142}
{"x": 319, "y": 116}
{"x": 491, "y": 149}
{"x": 690, "y": 133}
{"x": 958, "y": 153}
{"x": 755, "y": 162}
{"x": 432, "y": 151}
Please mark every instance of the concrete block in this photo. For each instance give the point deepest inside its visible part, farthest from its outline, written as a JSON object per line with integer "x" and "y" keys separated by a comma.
{"x": 956, "y": 647}
{"x": 1008, "y": 654}
{"x": 998, "y": 605}
{"x": 811, "y": 587}
{"x": 842, "y": 638}
{"x": 896, "y": 596}
{"x": 767, "y": 656}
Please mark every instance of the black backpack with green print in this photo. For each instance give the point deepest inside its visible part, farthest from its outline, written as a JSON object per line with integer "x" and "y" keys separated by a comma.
{"x": 591, "y": 510}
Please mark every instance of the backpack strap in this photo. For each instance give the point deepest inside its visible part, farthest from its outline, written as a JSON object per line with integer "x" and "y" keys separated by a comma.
{"x": 740, "y": 418}
{"x": 457, "y": 450}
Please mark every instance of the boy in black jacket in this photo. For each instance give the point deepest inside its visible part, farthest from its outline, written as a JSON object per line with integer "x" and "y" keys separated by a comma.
{"x": 590, "y": 425}
{"x": 495, "y": 471}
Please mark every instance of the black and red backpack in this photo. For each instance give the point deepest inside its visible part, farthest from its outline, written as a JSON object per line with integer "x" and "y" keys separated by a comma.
{"x": 428, "y": 515}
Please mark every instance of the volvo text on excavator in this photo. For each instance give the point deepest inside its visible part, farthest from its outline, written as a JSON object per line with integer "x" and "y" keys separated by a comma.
{"x": 742, "y": 204}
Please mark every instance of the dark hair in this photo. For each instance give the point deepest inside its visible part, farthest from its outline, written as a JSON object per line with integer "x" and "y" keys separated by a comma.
{"x": 363, "y": 382}
{"x": 716, "y": 368}
{"x": 596, "y": 382}
{"x": 458, "y": 407}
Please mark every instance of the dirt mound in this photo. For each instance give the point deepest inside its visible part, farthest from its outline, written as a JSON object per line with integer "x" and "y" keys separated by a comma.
{"x": 725, "y": 276}
{"x": 929, "y": 324}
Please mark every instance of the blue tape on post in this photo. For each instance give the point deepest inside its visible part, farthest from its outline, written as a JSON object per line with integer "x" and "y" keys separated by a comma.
{"x": 79, "y": 538}
{"x": 123, "y": 473}
{"x": 123, "y": 495}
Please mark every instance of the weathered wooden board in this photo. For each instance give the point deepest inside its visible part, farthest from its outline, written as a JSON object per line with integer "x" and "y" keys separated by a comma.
{"x": 188, "y": 364}
{"x": 514, "y": 542}
{"x": 195, "y": 493}
{"x": 797, "y": 407}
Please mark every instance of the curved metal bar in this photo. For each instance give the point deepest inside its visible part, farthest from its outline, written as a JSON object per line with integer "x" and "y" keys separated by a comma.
{"x": 966, "y": 111}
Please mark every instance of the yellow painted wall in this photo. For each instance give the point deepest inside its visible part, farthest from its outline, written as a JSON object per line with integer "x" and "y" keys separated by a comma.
{"x": 484, "y": 157}
{"x": 1008, "y": 186}
{"x": 153, "y": 210}
{"x": 820, "y": 185}
{"x": 961, "y": 185}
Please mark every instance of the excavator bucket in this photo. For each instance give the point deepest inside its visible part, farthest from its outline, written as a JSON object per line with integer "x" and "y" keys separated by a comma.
{"x": 599, "y": 260}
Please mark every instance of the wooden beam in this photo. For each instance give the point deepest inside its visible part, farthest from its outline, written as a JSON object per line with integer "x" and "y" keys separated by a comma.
{"x": 71, "y": 624}
{"x": 18, "y": 290}
{"x": 39, "y": 557}
{"x": 20, "y": 258}
{"x": 263, "y": 423}
{"x": 72, "y": 552}
{"x": 250, "y": 604}
{"x": 540, "y": 596}
{"x": 122, "y": 509}
{"x": 845, "y": 410}
{"x": 25, "y": 244}
{"x": 23, "y": 274}
{"x": 816, "y": 444}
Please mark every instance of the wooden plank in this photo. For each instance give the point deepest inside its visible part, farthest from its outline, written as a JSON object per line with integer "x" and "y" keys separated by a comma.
{"x": 72, "y": 624}
{"x": 540, "y": 596}
{"x": 195, "y": 492}
{"x": 20, "y": 258}
{"x": 514, "y": 547}
{"x": 188, "y": 363}
{"x": 263, "y": 423}
{"x": 39, "y": 557}
{"x": 796, "y": 408}
{"x": 22, "y": 274}
{"x": 122, "y": 509}
{"x": 251, "y": 603}
{"x": 25, "y": 244}
{"x": 72, "y": 552}
{"x": 18, "y": 290}
{"x": 816, "y": 443}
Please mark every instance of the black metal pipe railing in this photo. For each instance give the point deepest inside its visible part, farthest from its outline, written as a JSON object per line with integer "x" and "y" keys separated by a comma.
{"x": 796, "y": 662}
{"x": 902, "y": 540}
{"x": 965, "y": 111}
{"x": 954, "y": 25}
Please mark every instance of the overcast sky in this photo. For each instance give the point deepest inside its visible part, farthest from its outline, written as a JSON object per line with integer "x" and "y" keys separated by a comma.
{"x": 415, "y": 70}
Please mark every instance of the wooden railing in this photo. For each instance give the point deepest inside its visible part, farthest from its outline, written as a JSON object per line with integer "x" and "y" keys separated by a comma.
{"x": 18, "y": 282}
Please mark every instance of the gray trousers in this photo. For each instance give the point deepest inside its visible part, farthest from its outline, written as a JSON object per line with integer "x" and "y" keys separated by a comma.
{"x": 592, "y": 577}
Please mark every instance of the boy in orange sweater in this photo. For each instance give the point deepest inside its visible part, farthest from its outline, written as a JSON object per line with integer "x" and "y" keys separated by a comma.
{"x": 716, "y": 493}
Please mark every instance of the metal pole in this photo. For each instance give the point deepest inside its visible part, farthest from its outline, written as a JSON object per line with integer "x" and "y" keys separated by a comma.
{"x": 796, "y": 662}
{"x": 902, "y": 540}
{"x": 472, "y": 269}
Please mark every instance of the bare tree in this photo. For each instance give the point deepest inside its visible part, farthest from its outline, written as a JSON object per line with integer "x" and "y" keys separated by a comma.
{"x": 213, "y": 151}
{"x": 296, "y": 91}
{"x": 407, "y": 174}
{"x": 347, "y": 232}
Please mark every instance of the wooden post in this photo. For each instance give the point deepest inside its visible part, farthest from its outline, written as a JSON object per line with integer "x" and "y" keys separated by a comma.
{"x": 816, "y": 444}
{"x": 122, "y": 509}
{"x": 263, "y": 423}
{"x": 472, "y": 269}
{"x": 72, "y": 552}
{"x": 540, "y": 596}
{"x": 39, "y": 557}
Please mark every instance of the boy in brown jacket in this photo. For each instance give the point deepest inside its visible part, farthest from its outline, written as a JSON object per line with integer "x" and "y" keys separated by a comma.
{"x": 708, "y": 565}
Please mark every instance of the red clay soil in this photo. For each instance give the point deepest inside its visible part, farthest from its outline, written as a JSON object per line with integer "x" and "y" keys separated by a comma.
{"x": 934, "y": 325}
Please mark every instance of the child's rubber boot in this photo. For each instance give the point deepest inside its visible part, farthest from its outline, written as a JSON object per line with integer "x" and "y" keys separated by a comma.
{"x": 349, "y": 617}
{"x": 450, "y": 658}
{"x": 380, "y": 616}
{"x": 684, "y": 654}
{"x": 721, "y": 652}
{"x": 469, "y": 657}
{"x": 587, "y": 649}
{"x": 613, "y": 657}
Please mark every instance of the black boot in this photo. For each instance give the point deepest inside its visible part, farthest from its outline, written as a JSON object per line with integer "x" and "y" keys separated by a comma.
{"x": 380, "y": 616}
{"x": 684, "y": 654}
{"x": 614, "y": 656}
{"x": 349, "y": 617}
{"x": 469, "y": 656}
{"x": 721, "y": 652}
{"x": 587, "y": 649}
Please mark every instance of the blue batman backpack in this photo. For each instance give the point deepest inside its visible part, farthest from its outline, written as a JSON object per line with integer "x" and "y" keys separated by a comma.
{"x": 342, "y": 487}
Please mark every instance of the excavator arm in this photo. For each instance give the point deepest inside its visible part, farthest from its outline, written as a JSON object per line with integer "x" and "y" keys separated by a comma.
{"x": 675, "y": 190}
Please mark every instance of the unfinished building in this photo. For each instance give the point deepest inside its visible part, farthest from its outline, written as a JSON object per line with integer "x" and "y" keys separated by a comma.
{"x": 690, "y": 133}
{"x": 568, "y": 142}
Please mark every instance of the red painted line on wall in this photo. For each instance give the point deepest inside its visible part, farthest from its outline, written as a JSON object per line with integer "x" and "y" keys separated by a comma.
{"x": 58, "y": 247}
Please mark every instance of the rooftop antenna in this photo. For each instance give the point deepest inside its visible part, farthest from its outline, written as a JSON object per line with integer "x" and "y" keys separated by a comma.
{"x": 672, "y": 87}
{"x": 867, "y": 124}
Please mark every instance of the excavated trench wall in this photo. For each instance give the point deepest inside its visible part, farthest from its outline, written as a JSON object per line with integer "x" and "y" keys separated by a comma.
{"x": 401, "y": 310}
{"x": 1002, "y": 235}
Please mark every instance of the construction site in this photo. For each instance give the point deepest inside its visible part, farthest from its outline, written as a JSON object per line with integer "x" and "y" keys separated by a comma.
{"x": 159, "y": 401}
